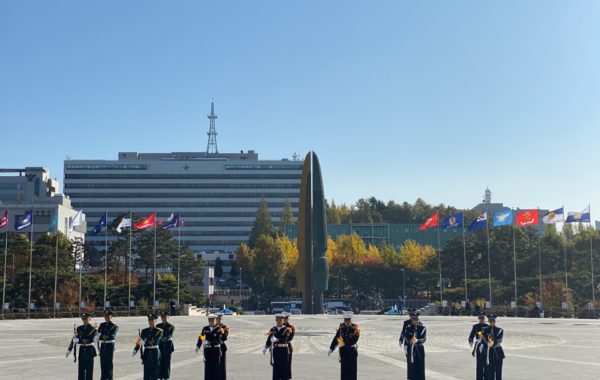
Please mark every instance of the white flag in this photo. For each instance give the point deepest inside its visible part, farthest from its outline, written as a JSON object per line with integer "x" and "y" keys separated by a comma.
{"x": 124, "y": 223}
{"x": 75, "y": 221}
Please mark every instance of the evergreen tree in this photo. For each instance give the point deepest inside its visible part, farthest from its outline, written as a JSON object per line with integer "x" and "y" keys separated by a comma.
{"x": 263, "y": 225}
{"x": 287, "y": 217}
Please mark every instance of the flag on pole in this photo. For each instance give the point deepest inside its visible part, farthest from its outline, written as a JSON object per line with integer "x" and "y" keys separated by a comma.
{"x": 101, "y": 224}
{"x": 173, "y": 222}
{"x": 4, "y": 219}
{"x": 430, "y": 223}
{"x": 53, "y": 226}
{"x": 479, "y": 223}
{"x": 75, "y": 221}
{"x": 149, "y": 222}
{"x": 554, "y": 216}
{"x": 453, "y": 221}
{"x": 579, "y": 217}
{"x": 24, "y": 221}
{"x": 503, "y": 218}
{"x": 527, "y": 218}
{"x": 124, "y": 223}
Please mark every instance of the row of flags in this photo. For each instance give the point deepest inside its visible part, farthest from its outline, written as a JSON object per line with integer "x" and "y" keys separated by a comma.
{"x": 150, "y": 222}
{"x": 26, "y": 220}
{"x": 521, "y": 218}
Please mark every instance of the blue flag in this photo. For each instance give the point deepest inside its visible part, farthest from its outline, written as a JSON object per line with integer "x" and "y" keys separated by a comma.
{"x": 452, "y": 221}
{"x": 503, "y": 218}
{"x": 173, "y": 222}
{"x": 101, "y": 224}
{"x": 24, "y": 221}
{"x": 54, "y": 223}
{"x": 479, "y": 223}
{"x": 579, "y": 217}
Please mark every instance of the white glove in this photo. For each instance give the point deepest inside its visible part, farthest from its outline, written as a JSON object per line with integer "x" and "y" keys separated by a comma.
{"x": 404, "y": 349}
{"x": 329, "y": 352}
{"x": 400, "y": 343}
{"x": 264, "y": 351}
{"x": 197, "y": 349}
{"x": 67, "y": 353}
{"x": 133, "y": 353}
{"x": 470, "y": 344}
{"x": 274, "y": 340}
{"x": 75, "y": 340}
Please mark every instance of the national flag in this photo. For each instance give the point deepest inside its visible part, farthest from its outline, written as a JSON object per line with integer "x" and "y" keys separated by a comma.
{"x": 173, "y": 222}
{"x": 452, "y": 221}
{"x": 479, "y": 223}
{"x": 579, "y": 217}
{"x": 53, "y": 226}
{"x": 149, "y": 222}
{"x": 124, "y": 223}
{"x": 75, "y": 221}
{"x": 101, "y": 224}
{"x": 527, "y": 218}
{"x": 430, "y": 223}
{"x": 4, "y": 219}
{"x": 555, "y": 216}
{"x": 24, "y": 221}
{"x": 503, "y": 218}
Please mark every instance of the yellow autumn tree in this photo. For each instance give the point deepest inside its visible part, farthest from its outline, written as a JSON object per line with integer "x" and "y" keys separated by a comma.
{"x": 414, "y": 256}
{"x": 349, "y": 249}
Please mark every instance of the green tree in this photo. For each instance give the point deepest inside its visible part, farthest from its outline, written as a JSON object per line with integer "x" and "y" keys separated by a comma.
{"x": 287, "y": 217}
{"x": 263, "y": 225}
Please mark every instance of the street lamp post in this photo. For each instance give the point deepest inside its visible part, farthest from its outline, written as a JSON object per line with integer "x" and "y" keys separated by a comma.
{"x": 403, "y": 285}
{"x": 240, "y": 284}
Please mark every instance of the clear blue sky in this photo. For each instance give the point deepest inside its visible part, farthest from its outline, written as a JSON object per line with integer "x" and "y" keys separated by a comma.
{"x": 400, "y": 99}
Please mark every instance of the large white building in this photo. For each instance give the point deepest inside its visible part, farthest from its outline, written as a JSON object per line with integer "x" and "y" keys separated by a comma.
{"x": 217, "y": 194}
{"x": 32, "y": 188}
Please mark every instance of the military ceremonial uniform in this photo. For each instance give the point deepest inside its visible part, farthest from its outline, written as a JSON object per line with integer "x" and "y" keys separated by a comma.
{"x": 107, "y": 334}
{"x": 277, "y": 341}
{"x": 415, "y": 336}
{"x": 151, "y": 354}
{"x": 405, "y": 324}
{"x": 476, "y": 341}
{"x": 346, "y": 338}
{"x": 85, "y": 335}
{"x": 223, "y": 359}
{"x": 493, "y": 336}
{"x": 166, "y": 348}
{"x": 292, "y": 334}
{"x": 210, "y": 340}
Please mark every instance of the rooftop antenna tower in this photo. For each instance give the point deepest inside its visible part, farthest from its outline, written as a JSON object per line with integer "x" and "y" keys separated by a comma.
{"x": 488, "y": 196}
{"x": 212, "y": 132}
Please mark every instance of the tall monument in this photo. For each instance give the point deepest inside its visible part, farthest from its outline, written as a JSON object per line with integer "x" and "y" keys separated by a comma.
{"x": 312, "y": 269}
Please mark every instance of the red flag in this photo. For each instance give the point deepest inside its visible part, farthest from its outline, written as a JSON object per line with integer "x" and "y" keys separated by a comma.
{"x": 149, "y": 222}
{"x": 4, "y": 219}
{"x": 528, "y": 218}
{"x": 430, "y": 223}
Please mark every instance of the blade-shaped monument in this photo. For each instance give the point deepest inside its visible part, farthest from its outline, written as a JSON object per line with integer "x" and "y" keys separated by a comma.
{"x": 312, "y": 269}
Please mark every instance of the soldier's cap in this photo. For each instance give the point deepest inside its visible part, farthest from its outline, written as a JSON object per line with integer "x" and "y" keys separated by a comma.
{"x": 152, "y": 316}
{"x": 286, "y": 314}
{"x": 415, "y": 314}
{"x": 347, "y": 316}
{"x": 85, "y": 316}
{"x": 411, "y": 312}
{"x": 108, "y": 312}
{"x": 492, "y": 317}
{"x": 164, "y": 313}
{"x": 481, "y": 315}
{"x": 219, "y": 315}
{"x": 211, "y": 316}
{"x": 279, "y": 316}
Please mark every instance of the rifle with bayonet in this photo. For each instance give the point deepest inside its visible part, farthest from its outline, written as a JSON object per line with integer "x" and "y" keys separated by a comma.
{"x": 413, "y": 342}
{"x": 477, "y": 342}
{"x": 138, "y": 347}
{"x": 73, "y": 344}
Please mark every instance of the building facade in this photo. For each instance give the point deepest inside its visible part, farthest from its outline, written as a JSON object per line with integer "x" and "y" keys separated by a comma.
{"x": 216, "y": 194}
{"x": 32, "y": 188}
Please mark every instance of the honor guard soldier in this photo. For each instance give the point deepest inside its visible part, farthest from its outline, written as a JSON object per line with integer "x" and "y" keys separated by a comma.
{"x": 346, "y": 338}
{"x": 165, "y": 346}
{"x": 150, "y": 338}
{"x": 107, "y": 332}
{"x": 210, "y": 341}
{"x": 405, "y": 325}
{"x": 494, "y": 353}
{"x": 415, "y": 336}
{"x": 476, "y": 342}
{"x": 223, "y": 360}
{"x": 277, "y": 343}
{"x": 286, "y": 323}
{"x": 84, "y": 336}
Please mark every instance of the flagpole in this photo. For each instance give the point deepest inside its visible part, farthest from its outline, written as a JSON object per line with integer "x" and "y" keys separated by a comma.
{"x": 566, "y": 270}
{"x": 487, "y": 229}
{"x": 440, "y": 268}
{"x": 465, "y": 256}
{"x": 5, "y": 258}
{"x": 540, "y": 267}
{"x": 30, "y": 261}
{"x": 592, "y": 267}
{"x": 515, "y": 268}
{"x": 130, "y": 266}
{"x": 154, "y": 268}
{"x": 105, "y": 253}
{"x": 178, "y": 254}
{"x": 55, "y": 266}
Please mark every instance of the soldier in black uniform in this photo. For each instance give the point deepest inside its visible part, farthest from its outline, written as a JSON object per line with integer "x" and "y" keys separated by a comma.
{"x": 476, "y": 342}
{"x": 494, "y": 353}
{"x": 415, "y": 336}
{"x": 277, "y": 342}
{"x": 84, "y": 336}
{"x": 286, "y": 323}
{"x": 165, "y": 346}
{"x": 106, "y": 345}
{"x": 405, "y": 325}
{"x": 150, "y": 338}
{"x": 210, "y": 341}
{"x": 345, "y": 339}
{"x": 223, "y": 360}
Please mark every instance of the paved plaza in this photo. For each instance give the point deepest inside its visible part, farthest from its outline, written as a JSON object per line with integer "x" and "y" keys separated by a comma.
{"x": 535, "y": 348}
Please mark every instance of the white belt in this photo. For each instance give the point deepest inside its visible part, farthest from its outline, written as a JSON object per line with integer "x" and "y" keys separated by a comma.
{"x": 150, "y": 347}
{"x": 86, "y": 344}
{"x": 107, "y": 341}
